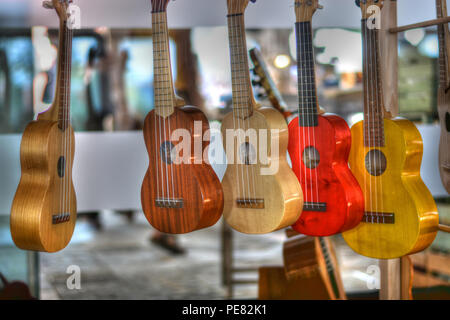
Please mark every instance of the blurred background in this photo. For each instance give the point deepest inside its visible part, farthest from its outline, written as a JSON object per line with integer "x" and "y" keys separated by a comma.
{"x": 112, "y": 91}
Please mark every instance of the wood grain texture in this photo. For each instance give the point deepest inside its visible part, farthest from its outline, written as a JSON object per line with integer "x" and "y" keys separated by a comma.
{"x": 331, "y": 182}
{"x": 41, "y": 192}
{"x": 196, "y": 184}
{"x": 273, "y": 285}
{"x": 281, "y": 192}
{"x": 305, "y": 258}
{"x": 399, "y": 190}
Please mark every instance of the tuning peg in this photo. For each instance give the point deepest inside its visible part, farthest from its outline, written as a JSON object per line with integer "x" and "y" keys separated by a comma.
{"x": 358, "y": 3}
{"x": 48, "y": 5}
{"x": 319, "y": 6}
{"x": 256, "y": 82}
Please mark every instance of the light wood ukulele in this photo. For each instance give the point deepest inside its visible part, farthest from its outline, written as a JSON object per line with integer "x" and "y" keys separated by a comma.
{"x": 443, "y": 98}
{"x": 43, "y": 211}
{"x": 256, "y": 202}
{"x": 177, "y": 196}
{"x": 400, "y": 213}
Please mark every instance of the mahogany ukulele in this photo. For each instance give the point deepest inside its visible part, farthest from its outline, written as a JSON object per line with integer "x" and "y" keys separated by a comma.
{"x": 257, "y": 200}
{"x": 400, "y": 215}
{"x": 319, "y": 146}
{"x": 177, "y": 197}
{"x": 444, "y": 95}
{"x": 43, "y": 211}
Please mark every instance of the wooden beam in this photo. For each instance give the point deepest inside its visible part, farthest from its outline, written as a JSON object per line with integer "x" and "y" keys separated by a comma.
{"x": 389, "y": 58}
{"x": 390, "y": 279}
{"x": 424, "y": 24}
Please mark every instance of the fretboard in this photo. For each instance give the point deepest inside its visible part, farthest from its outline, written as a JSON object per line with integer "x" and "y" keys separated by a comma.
{"x": 64, "y": 75}
{"x": 373, "y": 94}
{"x": 242, "y": 90}
{"x": 162, "y": 72}
{"x": 442, "y": 36}
{"x": 307, "y": 93}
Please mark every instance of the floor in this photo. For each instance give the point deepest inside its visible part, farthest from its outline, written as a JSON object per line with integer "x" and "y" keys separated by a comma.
{"x": 119, "y": 262}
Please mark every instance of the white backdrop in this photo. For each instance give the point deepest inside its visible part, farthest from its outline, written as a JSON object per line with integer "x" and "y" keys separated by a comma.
{"x": 109, "y": 168}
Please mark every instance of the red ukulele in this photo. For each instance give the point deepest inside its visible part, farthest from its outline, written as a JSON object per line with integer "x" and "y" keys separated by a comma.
{"x": 319, "y": 147}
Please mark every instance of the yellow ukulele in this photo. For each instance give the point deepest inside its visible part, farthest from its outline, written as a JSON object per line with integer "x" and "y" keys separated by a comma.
{"x": 400, "y": 214}
{"x": 261, "y": 195}
{"x": 43, "y": 211}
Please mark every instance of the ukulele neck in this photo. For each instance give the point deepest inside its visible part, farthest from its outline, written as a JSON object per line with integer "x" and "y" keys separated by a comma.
{"x": 60, "y": 110}
{"x": 373, "y": 94}
{"x": 243, "y": 101}
{"x": 162, "y": 70}
{"x": 443, "y": 33}
{"x": 307, "y": 92}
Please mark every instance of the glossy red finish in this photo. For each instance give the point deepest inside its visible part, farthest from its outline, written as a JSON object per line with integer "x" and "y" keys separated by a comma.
{"x": 331, "y": 182}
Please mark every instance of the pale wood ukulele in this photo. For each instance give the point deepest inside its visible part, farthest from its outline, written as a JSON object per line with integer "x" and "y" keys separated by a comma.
{"x": 444, "y": 95}
{"x": 43, "y": 211}
{"x": 256, "y": 202}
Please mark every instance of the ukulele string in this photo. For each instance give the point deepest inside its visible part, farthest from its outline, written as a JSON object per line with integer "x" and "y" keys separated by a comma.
{"x": 243, "y": 106}
{"x": 312, "y": 103}
{"x": 170, "y": 100}
{"x": 68, "y": 133}
{"x": 166, "y": 97}
{"x": 156, "y": 107}
{"x": 237, "y": 103}
{"x": 374, "y": 194}
{"x": 66, "y": 82}
{"x": 244, "y": 58}
{"x": 378, "y": 119}
{"x": 233, "y": 81}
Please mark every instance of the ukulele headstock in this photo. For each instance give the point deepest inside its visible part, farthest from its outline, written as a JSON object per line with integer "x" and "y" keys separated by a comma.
{"x": 366, "y": 5}
{"x": 159, "y": 5}
{"x": 237, "y": 6}
{"x": 305, "y": 9}
{"x": 60, "y": 6}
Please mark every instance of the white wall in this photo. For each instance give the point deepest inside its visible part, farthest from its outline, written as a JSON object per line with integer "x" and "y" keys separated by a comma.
{"x": 189, "y": 13}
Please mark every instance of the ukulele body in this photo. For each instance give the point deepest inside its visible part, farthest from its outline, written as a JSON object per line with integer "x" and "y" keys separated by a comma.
{"x": 401, "y": 216}
{"x": 444, "y": 145}
{"x": 319, "y": 158}
{"x": 43, "y": 212}
{"x": 196, "y": 186}
{"x": 257, "y": 203}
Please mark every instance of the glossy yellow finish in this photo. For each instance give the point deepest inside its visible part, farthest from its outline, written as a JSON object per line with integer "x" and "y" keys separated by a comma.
{"x": 399, "y": 190}
{"x": 282, "y": 193}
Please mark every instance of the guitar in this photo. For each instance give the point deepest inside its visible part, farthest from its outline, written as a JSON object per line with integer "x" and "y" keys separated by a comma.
{"x": 444, "y": 96}
{"x": 43, "y": 211}
{"x": 176, "y": 197}
{"x": 312, "y": 260}
{"x": 319, "y": 146}
{"x": 400, "y": 214}
{"x": 266, "y": 82}
{"x": 257, "y": 199}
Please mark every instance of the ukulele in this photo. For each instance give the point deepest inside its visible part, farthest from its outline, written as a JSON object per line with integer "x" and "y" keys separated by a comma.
{"x": 319, "y": 146}
{"x": 257, "y": 200}
{"x": 266, "y": 82}
{"x": 444, "y": 96}
{"x": 400, "y": 214}
{"x": 43, "y": 211}
{"x": 177, "y": 197}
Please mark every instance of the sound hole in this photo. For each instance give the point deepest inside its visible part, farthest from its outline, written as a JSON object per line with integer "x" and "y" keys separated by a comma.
{"x": 247, "y": 154}
{"x": 61, "y": 166}
{"x": 167, "y": 152}
{"x": 447, "y": 121}
{"x": 311, "y": 157}
{"x": 376, "y": 162}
